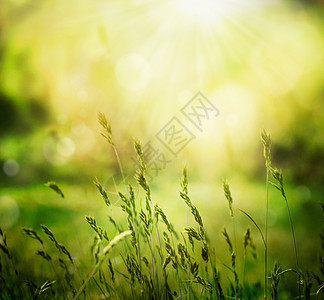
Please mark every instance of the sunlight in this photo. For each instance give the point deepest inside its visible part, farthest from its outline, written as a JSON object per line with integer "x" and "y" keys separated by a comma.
{"x": 206, "y": 10}
{"x": 146, "y": 62}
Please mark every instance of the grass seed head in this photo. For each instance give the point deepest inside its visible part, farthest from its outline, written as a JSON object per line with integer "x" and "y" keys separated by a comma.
{"x": 205, "y": 253}
{"x": 111, "y": 269}
{"x": 140, "y": 155}
{"x": 228, "y": 196}
{"x": 101, "y": 232}
{"x": 131, "y": 196}
{"x": 228, "y": 241}
{"x": 45, "y": 255}
{"x": 184, "y": 180}
{"x": 141, "y": 179}
{"x": 160, "y": 212}
{"x": 266, "y": 141}
{"x": 193, "y": 233}
{"x": 102, "y": 191}
{"x": 248, "y": 242}
{"x": 53, "y": 185}
{"x": 106, "y": 125}
{"x": 31, "y": 233}
{"x": 49, "y": 234}
{"x": 194, "y": 210}
{"x": 112, "y": 221}
{"x": 275, "y": 277}
{"x": 191, "y": 241}
{"x": 194, "y": 268}
{"x": 65, "y": 251}
{"x": 279, "y": 184}
{"x": 166, "y": 261}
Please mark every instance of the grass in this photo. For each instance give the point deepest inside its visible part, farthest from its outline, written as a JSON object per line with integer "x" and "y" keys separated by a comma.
{"x": 140, "y": 253}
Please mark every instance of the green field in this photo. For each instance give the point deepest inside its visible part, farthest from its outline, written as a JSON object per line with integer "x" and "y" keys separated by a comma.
{"x": 64, "y": 214}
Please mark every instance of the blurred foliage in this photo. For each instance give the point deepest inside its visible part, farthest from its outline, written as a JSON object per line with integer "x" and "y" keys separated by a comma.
{"x": 21, "y": 118}
{"x": 62, "y": 63}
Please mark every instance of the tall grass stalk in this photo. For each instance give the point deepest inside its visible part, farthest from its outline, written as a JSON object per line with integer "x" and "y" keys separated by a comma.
{"x": 247, "y": 241}
{"x": 108, "y": 204}
{"x": 264, "y": 244}
{"x": 277, "y": 175}
{"x": 266, "y": 141}
{"x": 184, "y": 189}
{"x": 199, "y": 235}
{"x": 109, "y": 137}
{"x": 229, "y": 198}
{"x": 141, "y": 178}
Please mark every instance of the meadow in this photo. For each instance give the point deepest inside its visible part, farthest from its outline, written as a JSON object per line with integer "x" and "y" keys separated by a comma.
{"x": 179, "y": 193}
{"x": 77, "y": 244}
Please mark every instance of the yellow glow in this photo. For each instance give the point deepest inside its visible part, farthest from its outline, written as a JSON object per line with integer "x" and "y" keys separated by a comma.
{"x": 206, "y": 10}
{"x": 210, "y": 10}
{"x": 144, "y": 60}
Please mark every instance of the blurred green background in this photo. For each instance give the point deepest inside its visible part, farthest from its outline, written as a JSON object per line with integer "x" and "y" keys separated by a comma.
{"x": 139, "y": 62}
